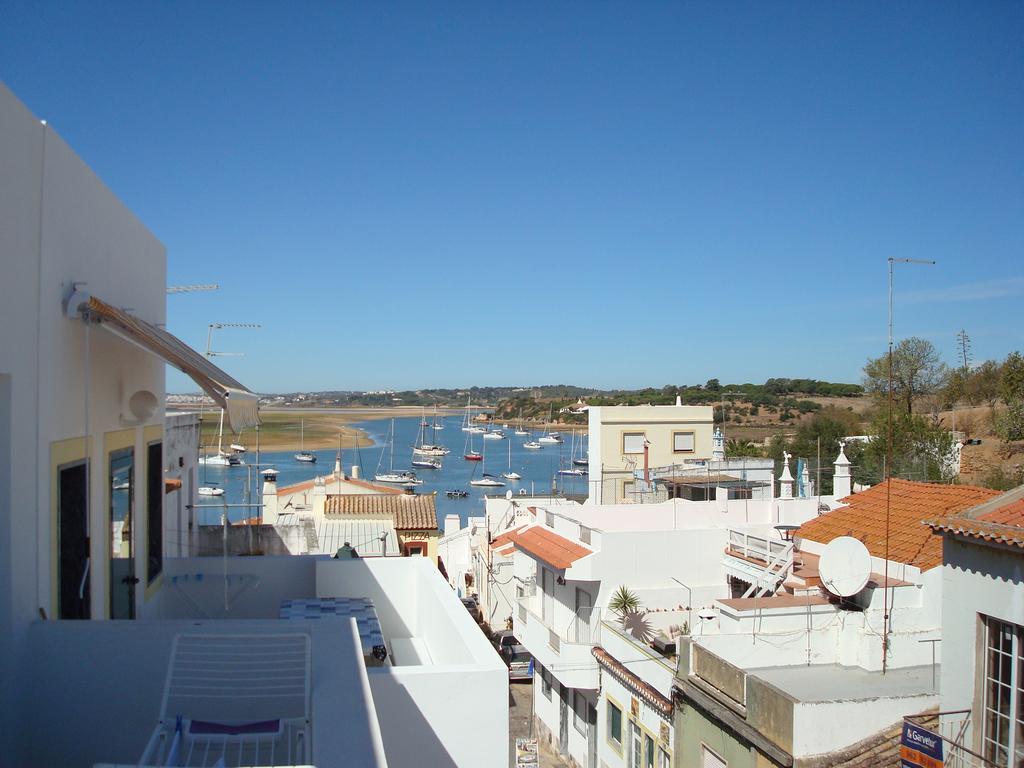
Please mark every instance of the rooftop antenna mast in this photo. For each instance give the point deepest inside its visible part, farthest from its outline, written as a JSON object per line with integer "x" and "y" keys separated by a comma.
{"x": 888, "y": 468}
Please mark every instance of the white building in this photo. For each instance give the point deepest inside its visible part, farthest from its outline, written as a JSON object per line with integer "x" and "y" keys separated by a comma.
{"x": 983, "y": 628}
{"x": 383, "y": 665}
{"x": 669, "y": 555}
{"x": 765, "y": 678}
{"x": 623, "y": 439}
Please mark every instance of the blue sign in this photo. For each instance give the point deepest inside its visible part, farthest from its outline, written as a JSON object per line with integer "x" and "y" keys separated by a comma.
{"x": 920, "y": 748}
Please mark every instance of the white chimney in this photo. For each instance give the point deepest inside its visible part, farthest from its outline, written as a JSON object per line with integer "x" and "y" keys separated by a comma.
{"x": 337, "y": 466}
{"x": 354, "y": 474}
{"x": 718, "y": 445}
{"x": 841, "y": 480}
{"x": 805, "y": 482}
{"x": 269, "y": 496}
{"x": 786, "y": 478}
{"x": 451, "y": 524}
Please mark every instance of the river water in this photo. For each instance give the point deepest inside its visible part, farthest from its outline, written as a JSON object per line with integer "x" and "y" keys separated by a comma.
{"x": 539, "y": 468}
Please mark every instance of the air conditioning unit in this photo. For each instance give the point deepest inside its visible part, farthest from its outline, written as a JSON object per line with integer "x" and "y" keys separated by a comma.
{"x": 664, "y": 646}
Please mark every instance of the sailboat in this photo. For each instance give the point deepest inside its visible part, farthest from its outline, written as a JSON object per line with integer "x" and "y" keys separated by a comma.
{"x": 303, "y": 454}
{"x": 520, "y": 432}
{"x": 551, "y": 437}
{"x": 469, "y": 453}
{"x": 486, "y": 481}
{"x": 220, "y": 459}
{"x": 573, "y": 471}
{"x": 510, "y": 475}
{"x": 422, "y": 448}
{"x": 466, "y": 426}
{"x": 583, "y": 460}
{"x": 402, "y": 477}
{"x": 423, "y": 454}
{"x": 435, "y": 425}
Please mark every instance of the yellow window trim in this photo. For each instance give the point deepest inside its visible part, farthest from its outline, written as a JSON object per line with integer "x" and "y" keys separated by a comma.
{"x": 622, "y": 441}
{"x": 615, "y": 745}
{"x": 116, "y": 441}
{"x": 690, "y": 432}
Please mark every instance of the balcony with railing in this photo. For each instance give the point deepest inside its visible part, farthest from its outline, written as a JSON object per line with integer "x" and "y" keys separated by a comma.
{"x": 561, "y": 639}
{"x": 950, "y": 736}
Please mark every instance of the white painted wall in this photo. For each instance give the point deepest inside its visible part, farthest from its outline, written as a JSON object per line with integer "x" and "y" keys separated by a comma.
{"x": 815, "y": 730}
{"x": 59, "y": 224}
{"x": 977, "y": 580}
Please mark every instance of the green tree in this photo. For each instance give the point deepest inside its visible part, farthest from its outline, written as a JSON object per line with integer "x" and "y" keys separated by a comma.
{"x": 713, "y": 385}
{"x": 916, "y": 370}
{"x": 983, "y": 384}
{"x": 921, "y": 449}
{"x": 1011, "y": 379}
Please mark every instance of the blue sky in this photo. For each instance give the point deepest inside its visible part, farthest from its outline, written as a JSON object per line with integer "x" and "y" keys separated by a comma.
{"x": 608, "y": 195}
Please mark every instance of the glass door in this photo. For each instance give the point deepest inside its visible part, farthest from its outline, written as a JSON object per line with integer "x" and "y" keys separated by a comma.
{"x": 72, "y": 542}
{"x": 121, "y": 479}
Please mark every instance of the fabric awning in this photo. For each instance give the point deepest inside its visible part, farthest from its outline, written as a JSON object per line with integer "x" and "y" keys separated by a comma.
{"x": 241, "y": 407}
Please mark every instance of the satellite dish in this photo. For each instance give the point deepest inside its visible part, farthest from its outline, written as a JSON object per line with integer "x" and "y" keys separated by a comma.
{"x": 845, "y": 566}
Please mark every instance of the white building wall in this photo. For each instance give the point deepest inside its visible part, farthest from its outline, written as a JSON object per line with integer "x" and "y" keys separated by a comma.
{"x": 977, "y": 580}
{"x": 59, "y": 224}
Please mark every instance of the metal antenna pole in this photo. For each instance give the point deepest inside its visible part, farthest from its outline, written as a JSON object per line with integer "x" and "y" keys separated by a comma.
{"x": 888, "y": 471}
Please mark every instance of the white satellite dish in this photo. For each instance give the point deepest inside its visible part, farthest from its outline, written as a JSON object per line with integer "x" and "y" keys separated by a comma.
{"x": 845, "y": 566}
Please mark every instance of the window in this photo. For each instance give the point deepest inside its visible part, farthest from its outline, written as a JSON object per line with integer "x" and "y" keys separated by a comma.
{"x": 1003, "y": 693}
{"x": 579, "y": 712}
{"x": 154, "y": 511}
{"x": 628, "y": 489}
{"x": 121, "y": 482}
{"x": 633, "y": 442}
{"x": 648, "y": 751}
{"x": 636, "y": 753}
{"x": 709, "y": 759}
{"x": 664, "y": 759}
{"x": 683, "y": 442}
{"x": 545, "y": 683}
{"x": 614, "y": 724}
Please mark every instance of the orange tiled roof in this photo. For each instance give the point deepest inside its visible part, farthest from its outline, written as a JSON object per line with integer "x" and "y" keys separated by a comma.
{"x": 547, "y": 545}
{"x": 504, "y": 539}
{"x": 633, "y": 682}
{"x": 911, "y": 503}
{"x": 1000, "y": 521}
{"x": 307, "y": 485}
{"x": 408, "y": 511}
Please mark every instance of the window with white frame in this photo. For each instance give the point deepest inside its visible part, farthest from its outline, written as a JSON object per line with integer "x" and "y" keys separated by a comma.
{"x": 648, "y": 751}
{"x": 579, "y": 712}
{"x": 664, "y": 758}
{"x": 683, "y": 442}
{"x": 633, "y": 442}
{"x": 1003, "y": 702}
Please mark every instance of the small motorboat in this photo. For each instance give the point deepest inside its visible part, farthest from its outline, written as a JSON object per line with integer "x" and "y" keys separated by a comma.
{"x": 427, "y": 463}
{"x": 511, "y": 475}
{"x": 306, "y": 456}
{"x": 551, "y": 437}
{"x": 533, "y": 445}
{"x": 581, "y": 462}
{"x": 494, "y": 434}
{"x": 456, "y": 494}
{"x": 573, "y": 472}
{"x": 209, "y": 490}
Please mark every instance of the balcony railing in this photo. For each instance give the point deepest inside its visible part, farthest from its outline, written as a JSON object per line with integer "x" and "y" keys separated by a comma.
{"x": 583, "y": 628}
{"x": 952, "y": 732}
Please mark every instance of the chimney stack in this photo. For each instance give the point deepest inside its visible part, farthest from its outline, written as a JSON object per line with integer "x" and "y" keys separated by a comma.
{"x": 841, "y": 480}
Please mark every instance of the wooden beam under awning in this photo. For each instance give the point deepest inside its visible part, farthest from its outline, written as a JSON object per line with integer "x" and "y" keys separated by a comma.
{"x": 172, "y": 484}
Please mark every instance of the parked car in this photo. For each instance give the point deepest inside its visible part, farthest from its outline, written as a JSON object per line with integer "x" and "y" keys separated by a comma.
{"x": 473, "y": 608}
{"x": 519, "y": 661}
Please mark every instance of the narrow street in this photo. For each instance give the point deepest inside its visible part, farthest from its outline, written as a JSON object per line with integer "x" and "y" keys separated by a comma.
{"x": 520, "y": 710}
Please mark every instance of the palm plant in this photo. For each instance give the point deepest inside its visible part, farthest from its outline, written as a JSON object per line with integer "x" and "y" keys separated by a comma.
{"x": 623, "y": 601}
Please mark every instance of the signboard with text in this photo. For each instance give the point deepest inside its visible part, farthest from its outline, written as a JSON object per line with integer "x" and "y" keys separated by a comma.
{"x": 920, "y": 748}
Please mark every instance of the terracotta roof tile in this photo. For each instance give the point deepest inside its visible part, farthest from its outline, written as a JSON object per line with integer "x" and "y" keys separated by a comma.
{"x": 995, "y": 521}
{"x": 547, "y": 545}
{"x": 409, "y": 512}
{"x": 307, "y": 485}
{"x": 504, "y": 539}
{"x": 633, "y": 682}
{"x": 911, "y": 503}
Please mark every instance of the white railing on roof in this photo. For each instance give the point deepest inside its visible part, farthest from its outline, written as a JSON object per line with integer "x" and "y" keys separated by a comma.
{"x": 583, "y": 628}
{"x": 776, "y": 556}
